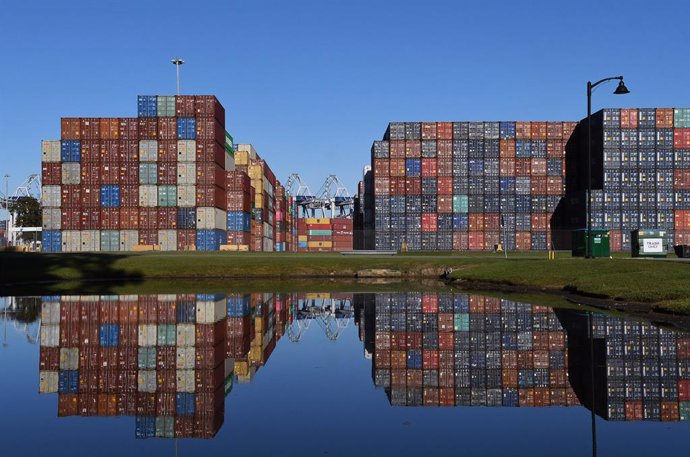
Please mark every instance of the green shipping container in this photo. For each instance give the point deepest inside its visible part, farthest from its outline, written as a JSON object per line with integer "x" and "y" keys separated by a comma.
{"x": 110, "y": 240}
{"x": 460, "y": 203}
{"x": 600, "y": 246}
{"x": 165, "y": 106}
{"x": 148, "y": 173}
{"x": 167, "y": 195}
{"x": 320, "y": 232}
{"x": 167, "y": 334}
{"x": 146, "y": 358}
{"x": 684, "y": 410}
{"x": 461, "y": 322}
{"x": 681, "y": 118}
{"x": 165, "y": 426}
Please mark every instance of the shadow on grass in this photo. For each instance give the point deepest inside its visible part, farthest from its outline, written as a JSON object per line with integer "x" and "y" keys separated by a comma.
{"x": 20, "y": 272}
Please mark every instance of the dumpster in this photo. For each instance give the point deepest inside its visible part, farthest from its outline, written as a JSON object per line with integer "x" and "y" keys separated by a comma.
{"x": 600, "y": 243}
{"x": 649, "y": 243}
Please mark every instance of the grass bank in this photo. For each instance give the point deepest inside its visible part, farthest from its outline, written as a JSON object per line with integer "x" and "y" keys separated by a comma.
{"x": 664, "y": 285}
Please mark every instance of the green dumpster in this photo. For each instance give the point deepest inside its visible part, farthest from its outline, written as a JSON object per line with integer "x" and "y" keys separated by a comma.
{"x": 600, "y": 243}
{"x": 649, "y": 243}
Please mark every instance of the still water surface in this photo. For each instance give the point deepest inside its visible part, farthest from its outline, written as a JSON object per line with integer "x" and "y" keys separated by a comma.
{"x": 336, "y": 374}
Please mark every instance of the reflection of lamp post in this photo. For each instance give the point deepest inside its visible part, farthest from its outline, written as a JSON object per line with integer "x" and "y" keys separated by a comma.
{"x": 620, "y": 90}
{"x": 177, "y": 62}
{"x": 591, "y": 380}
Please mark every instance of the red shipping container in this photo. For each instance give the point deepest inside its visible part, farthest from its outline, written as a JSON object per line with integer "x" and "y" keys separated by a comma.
{"x": 90, "y": 173}
{"x": 398, "y": 359}
{"x": 429, "y": 167}
{"x": 109, "y": 128}
{"x": 523, "y": 131}
{"x": 492, "y": 222}
{"x": 414, "y": 378}
{"x": 444, "y": 130}
{"x": 167, "y": 173}
{"x": 681, "y": 138}
{"x": 429, "y": 222}
{"x": 629, "y": 118}
{"x": 110, "y": 219}
{"x": 90, "y": 151}
{"x": 209, "y": 129}
{"x": 430, "y": 396}
{"x": 210, "y": 196}
{"x": 148, "y": 308}
{"x": 681, "y": 179}
{"x": 491, "y": 239}
{"x": 146, "y": 405}
{"x": 507, "y": 167}
{"x": 208, "y": 106}
{"x": 237, "y": 181}
{"x": 148, "y": 128}
{"x": 210, "y": 151}
{"x": 683, "y": 348}
{"x": 555, "y": 149}
{"x": 509, "y": 377}
{"x": 430, "y": 359}
{"x": 397, "y": 149}
{"x": 90, "y": 219}
{"x": 634, "y": 410}
{"x": 129, "y": 151}
{"x": 109, "y": 173}
{"x": 538, "y": 184}
{"x": 88, "y": 404}
{"x": 129, "y": 218}
{"x": 51, "y": 174}
{"x": 148, "y": 237}
{"x": 413, "y": 149}
{"x": 445, "y": 341}
{"x": 507, "y": 149}
{"x": 538, "y": 131}
{"x": 428, "y": 130}
{"x": 128, "y": 128}
{"x": 186, "y": 240}
{"x": 129, "y": 174}
{"x": 429, "y": 303}
{"x": 664, "y": 118}
{"x": 238, "y": 201}
{"x": 476, "y": 222}
{"x": 148, "y": 218}
{"x": 70, "y": 128}
{"x": 445, "y": 167}
{"x": 476, "y": 240}
{"x": 460, "y": 241}
{"x": 129, "y": 337}
{"x": 167, "y": 128}
{"x": 68, "y": 405}
{"x": 167, "y": 151}
{"x": 669, "y": 411}
{"x": 381, "y": 185}
{"x": 539, "y": 221}
{"x": 413, "y": 186}
{"x": 523, "y": 167}
{"x": 90, "y": 128}
{"x": 615, "y": 240}
{"x": 381, "y": 167}
{"x": 492, "y": 305}
{"x": 684, "y": 390}
{"x": 523, "y": 241}
{"x": 397, "y": 168}
{"x": 184, "y": 106}
{"x": 538, "y": 167}
{"x": 554, "y": 130}
{"x": 167, "y": 218}
{"x": 445, "y": 204}
{"x": 109, "y": 151}
{"x": 554, "y": 186}
{"x": 568, "y": 129}
{"x": 509, "y": 359}
{"x": 49, "y": 359}
{"x": 444, "y": 149}
{"x": 165, "y": 404}
{"x": 397, "y": 186}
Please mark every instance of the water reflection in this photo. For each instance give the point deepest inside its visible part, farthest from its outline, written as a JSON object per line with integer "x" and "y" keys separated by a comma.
{"x": 170, "y": 360}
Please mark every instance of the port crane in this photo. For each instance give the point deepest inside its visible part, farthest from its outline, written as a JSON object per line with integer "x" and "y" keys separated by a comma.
{"x": 331, "y": 196}
{"x": 30, "y": 187}
{"x": 331, "y": 315}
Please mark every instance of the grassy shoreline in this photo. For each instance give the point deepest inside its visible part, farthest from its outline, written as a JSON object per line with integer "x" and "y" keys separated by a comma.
{"x": 663, "y": 285}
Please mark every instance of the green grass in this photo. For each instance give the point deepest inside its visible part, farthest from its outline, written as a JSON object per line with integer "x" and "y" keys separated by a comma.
{"x": 663, "y": 284}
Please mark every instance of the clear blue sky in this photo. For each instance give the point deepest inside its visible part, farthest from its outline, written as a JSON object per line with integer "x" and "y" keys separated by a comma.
{"x": 312, "y": 83}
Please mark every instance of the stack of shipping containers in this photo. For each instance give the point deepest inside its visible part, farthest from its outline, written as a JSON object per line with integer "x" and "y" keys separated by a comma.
{"x": 457, "y": 349}
{"x": 159, "y": 358}
{"x": 239, "y": 205}
{"x": 640, "y": 173}
{"x": 467, "y": 185}
{"x": 324, "y": 234}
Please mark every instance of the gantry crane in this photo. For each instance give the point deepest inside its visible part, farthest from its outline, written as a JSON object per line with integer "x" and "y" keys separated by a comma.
{"x": 331, "y": 315}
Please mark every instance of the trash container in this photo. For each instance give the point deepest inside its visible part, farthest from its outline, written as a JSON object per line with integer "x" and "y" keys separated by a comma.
{"x": 649, "y": 243}
{"x": 600, "y": 243}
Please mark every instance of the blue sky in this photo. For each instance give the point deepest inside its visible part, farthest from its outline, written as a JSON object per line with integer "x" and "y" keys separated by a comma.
{"x": 312, "y": 83}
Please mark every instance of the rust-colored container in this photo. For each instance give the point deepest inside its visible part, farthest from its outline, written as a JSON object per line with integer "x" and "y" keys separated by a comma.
{"x": 554, "y": 130}
{"x": 109, "y": 218}
{"x": 90, "y": 173}
{"x": 210, "y": 196}
{"x": 148, "y": 309}
{"x": 148, "y": 128}
{"x": 148, "y": 237}
{"x": 129, "y": 176}
{"x": 186, "y": 240}
{"x": 444, "y": 130}
{"x": 109, "y": 128}
{"x": 397, "y": 149}
{"x": 68, "y": 405}
{"x": 209, "y": 173}
{"x": 184, "y": 106}
{"x": 129, "y": 218}
{"x": 51, "y": 173}
{"x": 128, "y": 128}
{"x": 209, "y": 129}
{"x": 129, "y": 151}
{"x": 167, "y": 218}
{"x": 429, "y": 130}
{"x": 70, "y": 127}
{"x": 90, "y": 128}
{"x": 413, "y": 186}
{"x": 49, "y": 359}
{"x": 148, "y": 219}
{"x": 555, "y": 149}
{"x": 523, "y": 167}
{"x": 538, "y": 130}
{"x": 413, "y": 149}
{"x": 523, "y": 130}
{"x": 109, "y": 173}
{"x": 167, "y": 151}
{"x": 167, "y": 128}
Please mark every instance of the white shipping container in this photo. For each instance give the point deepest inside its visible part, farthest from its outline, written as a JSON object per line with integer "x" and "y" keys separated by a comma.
{"x": 71, "y": 173}
{"x": 211, "y": 218}
{"x": 52, "y": 218}
{"x": 148, "y": 150}
{"x": 167, "y": 297}
{"x": 186, "y": 196}
{"x": 146, "y": 381}
{"x": 50, "y": 312}
{"x": 186, "y": 173}
{"x": 186, "y": 150}
{"x": 48, "y": 382}
{"x": 248, "y": 148}
{"x": 69, "y": 358}
{"x": 50, "y": 151}
{"x": 185, "y": 381}
{"x": 128, "y": 239}
{"x": 148, "y": 335}
{"x": 229, "y": 162}
{"x": 268, "y": 244}
{"x": 186, "y": 335}
{"x": 90, "y": 240}
{"x": 148, "y": 196}
{"x": 268, "y": 230}
{"x": 50, "y": 335}
{"x": 71, "y": 241}
{"x": 167, "y": 240}
{"x": 50, "y": 196}
{"x": 186, "y": 358}
{"x": 210, "y": 312}
{"x": 268, "y": 187}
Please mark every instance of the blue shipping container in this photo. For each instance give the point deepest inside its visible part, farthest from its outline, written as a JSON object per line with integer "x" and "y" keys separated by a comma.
{"x": 185, "y": 404}
{"x": 209, "y": 297}
{"x": 414, "y": 359}
{"x": 209, "y": 240}
{"x": 186, "y": 128}
{"x": 239, "y": 306}
{"x": 186, "y": 218}
{"x": 523, "y": 149}
{"x": 461, "y": 303}
{"x": 109, "y": 335}
{"x": 460, "y": 222}
{"x": 239, "y": 221}
{"x": 68, "y": 382}
{"x": 301, "y": 244}
{"x": 145, "y": 427}
{"x": 110, "y": 196}
{"x": 52, "y": 241}
{"x": 186, "y": 312}
{"x": 70, "y": 150}
{"x": 510, "y": 397}
{"x": 147, "y": 106}
{"x": 413, "y": 167}
{"x": 507, "y": 130}
{"x": 50, "y": 298}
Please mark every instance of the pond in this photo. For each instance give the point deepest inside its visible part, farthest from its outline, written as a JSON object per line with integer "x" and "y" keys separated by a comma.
{"x": 295, "y": 374}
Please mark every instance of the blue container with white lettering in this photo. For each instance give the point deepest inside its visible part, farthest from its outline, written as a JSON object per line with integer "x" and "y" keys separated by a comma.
{"x": 70, "y": 150}
{"x": 147, "y": 106}
{"x": 186, "y": 128}
{"x": 110, "y": 196}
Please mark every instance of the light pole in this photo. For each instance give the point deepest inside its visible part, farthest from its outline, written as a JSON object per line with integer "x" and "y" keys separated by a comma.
{"x": 7, "y": 208}
{"x": 177, "y": 62}
{"x": 620, "y": 90}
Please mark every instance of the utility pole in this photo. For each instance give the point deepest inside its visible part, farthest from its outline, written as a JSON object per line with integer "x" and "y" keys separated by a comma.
{"x": 177, "y": 62}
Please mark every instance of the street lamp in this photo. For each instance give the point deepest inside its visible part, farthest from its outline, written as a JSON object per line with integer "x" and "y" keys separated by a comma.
{"x": 177, "y": 62}
{"x": 620, "y": 90}
{"x": 7, "y": 208}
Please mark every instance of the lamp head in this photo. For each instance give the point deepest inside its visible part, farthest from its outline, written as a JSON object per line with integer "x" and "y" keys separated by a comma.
{"x": 621, "y": 89}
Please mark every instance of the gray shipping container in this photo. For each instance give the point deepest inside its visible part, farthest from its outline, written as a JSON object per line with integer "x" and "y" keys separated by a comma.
{"x": 50, "y": 151}
{"x": 50, "y": 196}
{"x": 52, "y": 218}
{"x": 148, "y": 150}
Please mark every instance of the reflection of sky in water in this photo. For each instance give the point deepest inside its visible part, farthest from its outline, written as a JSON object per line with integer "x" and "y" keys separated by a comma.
{"x": 312, "y": 392}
